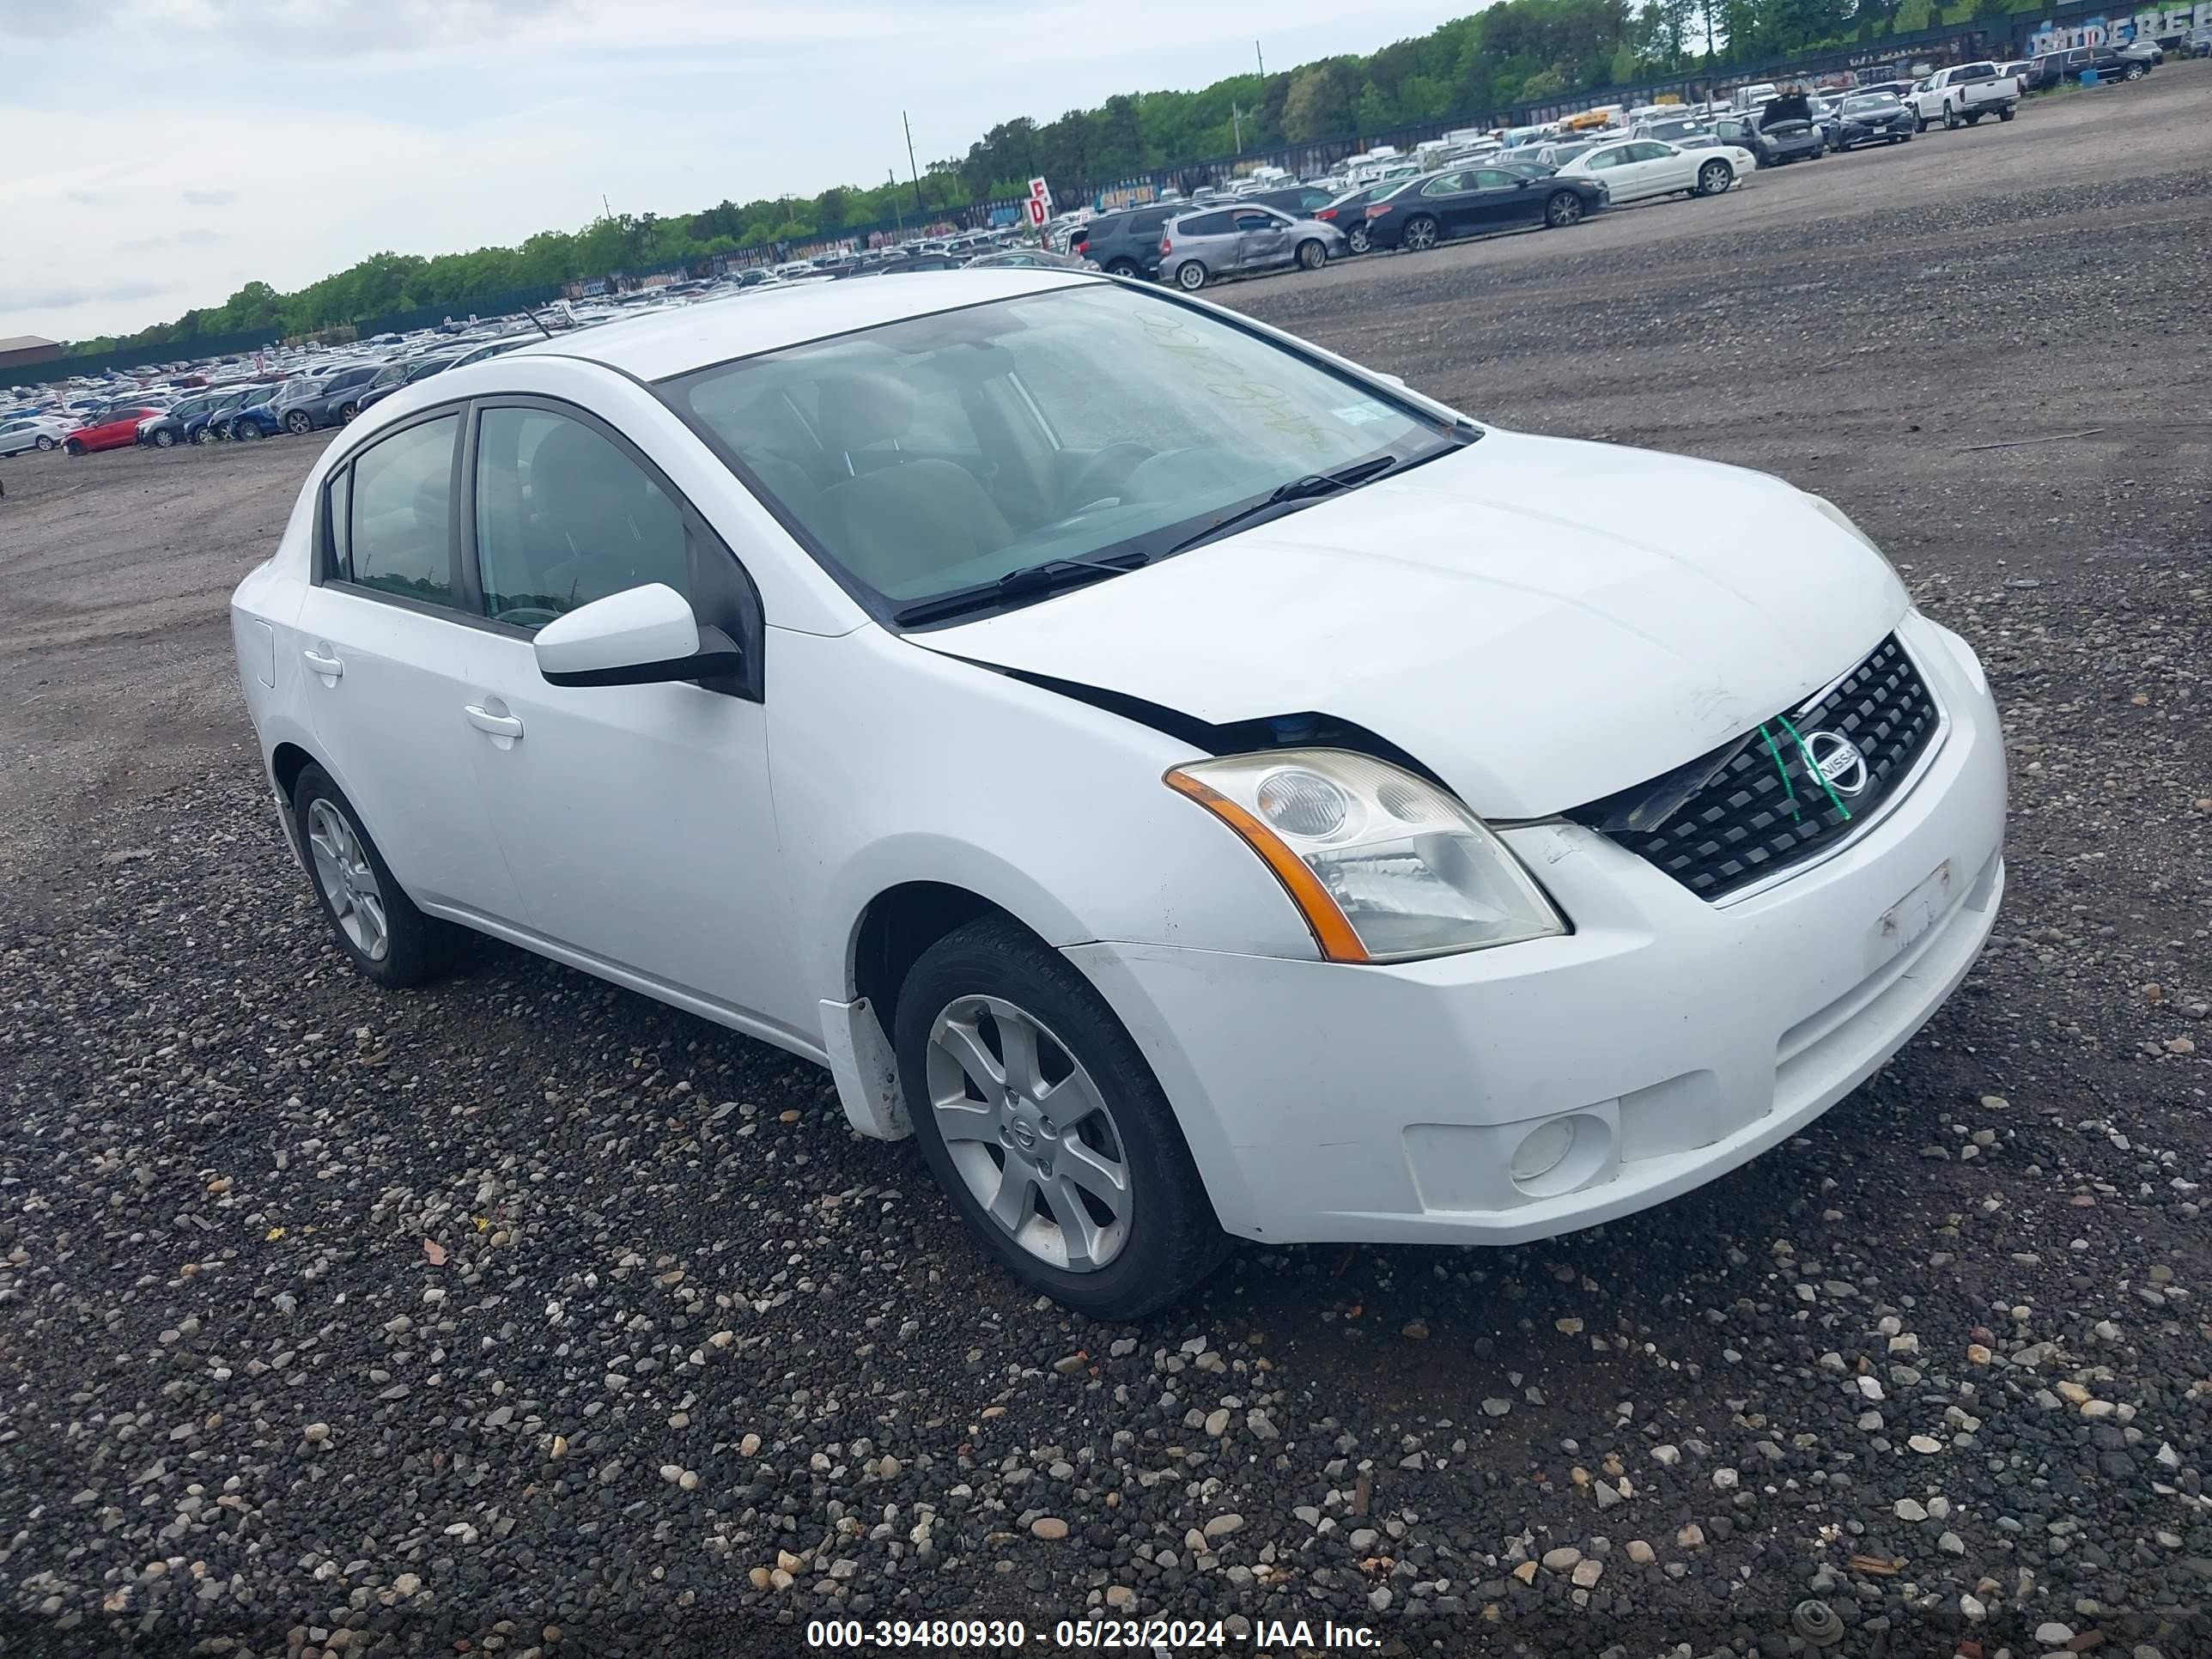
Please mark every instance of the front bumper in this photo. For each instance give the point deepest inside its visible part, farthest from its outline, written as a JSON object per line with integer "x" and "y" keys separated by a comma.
{"x": 1668, "y": 1040}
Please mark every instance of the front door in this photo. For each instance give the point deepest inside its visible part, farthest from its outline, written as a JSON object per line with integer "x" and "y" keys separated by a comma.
{"x": 636, "y": 819}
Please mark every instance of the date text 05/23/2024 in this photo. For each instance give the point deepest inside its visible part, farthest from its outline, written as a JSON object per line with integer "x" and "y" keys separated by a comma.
{"x": 1149, "y": 1635}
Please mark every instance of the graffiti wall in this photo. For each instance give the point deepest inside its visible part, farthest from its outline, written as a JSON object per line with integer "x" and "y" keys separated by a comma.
{"x": 2157, "y": 23}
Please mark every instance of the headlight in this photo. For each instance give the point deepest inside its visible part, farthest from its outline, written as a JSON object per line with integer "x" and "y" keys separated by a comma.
{"x": 1382, "y": 865}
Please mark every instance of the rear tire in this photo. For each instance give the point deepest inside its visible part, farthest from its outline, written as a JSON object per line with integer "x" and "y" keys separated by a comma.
{"x": 1190, "y": 276}
{"x": 1950, "y": 118}
{"x": 2007, "y": 113}
{"x": 1312, "y": 255}
{"x": 1164, "y": 1239}
{"x": 1715, "y": 177}
{"x": 1358, "y": 240}
{"x": 45, "y": 442}
{"x": 1420, "y": 234}
{"x": 413, "y": 947}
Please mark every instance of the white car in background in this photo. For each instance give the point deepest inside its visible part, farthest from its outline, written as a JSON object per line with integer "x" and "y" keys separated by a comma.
{"x": 1326, "y": 819}
{"x": 1638, "y": 168}
{"x": 31, "y": 432}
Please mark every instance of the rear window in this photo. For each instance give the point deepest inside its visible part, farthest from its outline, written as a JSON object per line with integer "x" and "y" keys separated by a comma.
{"x": 1976, "y": 72}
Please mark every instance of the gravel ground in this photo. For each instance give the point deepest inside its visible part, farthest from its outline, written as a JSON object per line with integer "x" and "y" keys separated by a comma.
{"x": 523, "y": 1315}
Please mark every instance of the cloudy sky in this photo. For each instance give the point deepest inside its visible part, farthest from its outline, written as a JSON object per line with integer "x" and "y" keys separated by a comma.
{"x": 163, "y": 152}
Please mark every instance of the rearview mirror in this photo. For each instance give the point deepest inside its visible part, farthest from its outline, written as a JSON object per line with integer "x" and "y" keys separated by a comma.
{"x": 642, "y": 637}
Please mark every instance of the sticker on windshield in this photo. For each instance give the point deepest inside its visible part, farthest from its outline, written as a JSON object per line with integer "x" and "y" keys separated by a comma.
{"x": 1360, "y": 414}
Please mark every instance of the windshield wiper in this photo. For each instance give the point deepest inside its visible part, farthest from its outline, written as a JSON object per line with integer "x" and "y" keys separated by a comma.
{"x": 1311, "y": 487}
{"x": 1031, "y": 579}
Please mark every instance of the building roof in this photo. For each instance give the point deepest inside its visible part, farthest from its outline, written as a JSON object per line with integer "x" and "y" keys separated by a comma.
{"x": 26, "y": 343}
{"x": 665, "y": 343}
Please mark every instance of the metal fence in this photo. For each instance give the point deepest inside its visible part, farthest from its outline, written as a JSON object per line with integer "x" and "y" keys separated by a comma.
{"x": 169, "y": 351}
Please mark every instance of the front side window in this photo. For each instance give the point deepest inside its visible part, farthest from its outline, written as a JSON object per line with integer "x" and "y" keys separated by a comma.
{"x": 564, "y": 517}
{"x": 1601, "y": 160}
{"x": 399, "y": 539}
{"x": 1106, "y": 424}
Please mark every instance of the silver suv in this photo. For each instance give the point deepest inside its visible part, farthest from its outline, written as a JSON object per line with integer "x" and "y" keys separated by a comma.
{"x": 1235, "y": 241}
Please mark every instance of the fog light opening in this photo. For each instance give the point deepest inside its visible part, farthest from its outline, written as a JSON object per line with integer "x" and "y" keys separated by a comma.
{"x": 1560, "y": 1155}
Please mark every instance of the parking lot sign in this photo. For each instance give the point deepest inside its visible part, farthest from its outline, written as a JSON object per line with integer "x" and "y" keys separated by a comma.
{"x": 1040, "y": 210}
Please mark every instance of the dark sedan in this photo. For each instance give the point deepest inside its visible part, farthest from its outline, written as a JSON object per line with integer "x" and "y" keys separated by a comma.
{"x": 393, "y": 376}
{"x": 1873, "y": 119}
{"x": 1784, "y": 131}
{"x": 1471, "y": 201}
{"x": 332, "y": 400}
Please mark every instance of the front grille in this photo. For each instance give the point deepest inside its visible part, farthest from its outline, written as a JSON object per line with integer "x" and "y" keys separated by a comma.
{"x": 1757, "y": 805}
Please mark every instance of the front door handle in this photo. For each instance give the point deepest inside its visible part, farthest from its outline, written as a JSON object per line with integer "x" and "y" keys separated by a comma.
{"x": 499, "y": 725}
{"x": 330, "y": 667}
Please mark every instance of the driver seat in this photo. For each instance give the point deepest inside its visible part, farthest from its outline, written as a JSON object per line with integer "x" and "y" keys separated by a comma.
{"x": 901, "y": 524}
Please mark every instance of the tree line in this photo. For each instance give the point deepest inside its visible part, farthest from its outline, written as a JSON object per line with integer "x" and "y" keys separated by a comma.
{"x": 1517, "y": 51}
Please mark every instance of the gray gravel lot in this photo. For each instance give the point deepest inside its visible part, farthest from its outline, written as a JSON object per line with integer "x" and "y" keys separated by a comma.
{"x": 523, "y": 1315}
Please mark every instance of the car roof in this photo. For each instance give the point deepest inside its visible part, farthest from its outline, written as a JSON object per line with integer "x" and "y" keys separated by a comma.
{"x": 662, "y": 344}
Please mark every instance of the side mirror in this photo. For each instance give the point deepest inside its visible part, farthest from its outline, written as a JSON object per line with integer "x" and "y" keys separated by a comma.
{"x": 642, "y": 637}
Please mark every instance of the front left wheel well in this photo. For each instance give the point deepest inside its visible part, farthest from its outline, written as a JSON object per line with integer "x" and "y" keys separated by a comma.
{"x": 900, "y": 924}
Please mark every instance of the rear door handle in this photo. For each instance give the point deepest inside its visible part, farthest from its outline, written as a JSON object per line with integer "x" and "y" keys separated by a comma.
{"x": 500, "y": 726}
{"x": 330, "y": 667}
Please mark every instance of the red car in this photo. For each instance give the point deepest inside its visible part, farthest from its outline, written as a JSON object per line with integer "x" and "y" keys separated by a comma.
{"x": 113, "y": 429}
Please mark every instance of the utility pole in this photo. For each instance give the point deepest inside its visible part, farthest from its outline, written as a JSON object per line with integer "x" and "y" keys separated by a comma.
{"x": 898, "y": 219}
{"x": 1262, "y": 57}
{"x": 920, "y": 206}
{"x": 1236, "y": 118}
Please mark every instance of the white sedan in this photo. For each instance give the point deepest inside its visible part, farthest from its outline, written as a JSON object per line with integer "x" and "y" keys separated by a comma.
{"x": 1295, "y": 810}
{"x": 32, "y": 432}
{"x": 1640, "y": 167}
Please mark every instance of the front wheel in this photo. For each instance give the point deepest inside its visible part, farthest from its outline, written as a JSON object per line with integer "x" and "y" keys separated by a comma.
{"x": 204, "y": 436}
{"x": 1038, "y": 1115}
{"x": 299, "y": 421}
{"x": 246, "y": 431}
{"x": 346, "y": 412}
{"x": 2134, "y": 72}
{"x": 163, "y": 438}
{"x": 1312, "y": 256}
{"x": 1420, "y": 233}
{"x": 1715, "y": 177}
{"x": 1190, "y": 276}
{"x": 375, "y": 922}
{"x": 74, "y": 446}
{"x": 1564, "y": 208}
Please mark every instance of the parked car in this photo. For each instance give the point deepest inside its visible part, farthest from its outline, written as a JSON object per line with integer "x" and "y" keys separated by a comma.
{"x": 2144, "y": 51}
{"x": 210, "y": 423}
{"x": 113, "y": 428}
{"x": 1873, "y": 117}
{"x": 2053, "y": 68}
{"x": 1127, "y": 242}
{"x": 1783, "y": 130}
{"x": 2197, "y": 43}
{"x": 1644, "y": 167}
{"x": 1897, "y": 90}
{"x": 167, "y": 429}
{"x": 1285, "y": 974}
{"x": 1961, "y": 94}
{"x": 1673, "y": 129}
{"x": 1196, "y": 248}
{"x": 1299, "y": 201}
{"x": 1825, "y": 115}
{"x": 498, "y": 348}
{"x": 1472, "y": 201}
{"x": 1029, "y": 259}
{"x": 31, "y": 432}
{"x": 405, "y": 372}
{"x": 1347, "y": 213}
{"x": 328, "y": 400}
{"x": 256, "y": 415}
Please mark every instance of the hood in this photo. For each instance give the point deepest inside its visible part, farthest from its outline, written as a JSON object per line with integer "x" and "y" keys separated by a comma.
{"x": 1541, "y": 622}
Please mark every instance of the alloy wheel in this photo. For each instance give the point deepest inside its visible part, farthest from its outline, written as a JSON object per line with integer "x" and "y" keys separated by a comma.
{"x": 299, "y": 421}
{"x": 1030, "y": 1133}
{"x": 1715, "y": 178}
{"x": 348, "y": 881}
{"x": 1421, "y": 235}
{"x": 45, "y": 442}
{"x": 1190, "y": 276}
{"x": 1358, "y": 239}
{"x": 164, "y": 438}
{"x": 1566, "y": 208}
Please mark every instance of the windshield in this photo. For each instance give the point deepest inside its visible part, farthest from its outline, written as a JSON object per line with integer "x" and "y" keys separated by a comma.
{"x": 930, "y": 455}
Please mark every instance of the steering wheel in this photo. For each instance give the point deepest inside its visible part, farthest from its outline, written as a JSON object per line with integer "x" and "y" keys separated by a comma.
{"x": 1104, "y": 475}
{"x": 1175, "y": 472}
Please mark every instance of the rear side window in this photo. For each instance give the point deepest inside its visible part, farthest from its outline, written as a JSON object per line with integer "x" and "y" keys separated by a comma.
{"x": 399, "y": 536}
{"x": 1205, "y": 224}
{"x": 1450, "y": 184}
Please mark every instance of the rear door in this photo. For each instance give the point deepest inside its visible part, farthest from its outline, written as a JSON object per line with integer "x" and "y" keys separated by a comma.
{"x": 383, "y": 647}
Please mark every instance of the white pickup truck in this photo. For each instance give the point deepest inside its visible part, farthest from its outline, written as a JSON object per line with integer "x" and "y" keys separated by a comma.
{"x": 1963, "y": 93}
